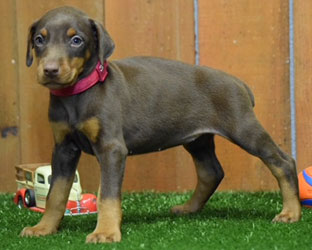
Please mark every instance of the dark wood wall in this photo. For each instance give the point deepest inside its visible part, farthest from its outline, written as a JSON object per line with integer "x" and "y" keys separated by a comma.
{"x": 246, "y": 38}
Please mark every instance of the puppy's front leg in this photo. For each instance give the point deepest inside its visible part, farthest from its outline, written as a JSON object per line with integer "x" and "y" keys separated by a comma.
{"x": 64, "y": 162}
{"x": 111, "y": 157}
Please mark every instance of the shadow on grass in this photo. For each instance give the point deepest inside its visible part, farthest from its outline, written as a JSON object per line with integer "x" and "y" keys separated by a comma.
{"x": 88, "y": 223}
{"x": 205, "y": 215}
{"x": 150, "y": 208}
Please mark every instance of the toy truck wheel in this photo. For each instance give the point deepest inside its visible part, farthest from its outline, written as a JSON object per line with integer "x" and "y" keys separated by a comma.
{"x": 30, "y": 198}
{"x": 20, "y": 202}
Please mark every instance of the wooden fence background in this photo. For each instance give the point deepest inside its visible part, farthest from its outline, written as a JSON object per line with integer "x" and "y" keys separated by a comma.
{"x": 247, "y": 38}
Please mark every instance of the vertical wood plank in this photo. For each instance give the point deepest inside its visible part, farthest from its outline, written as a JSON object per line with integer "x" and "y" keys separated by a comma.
{"x": 164, "y": 29}
{"x": 9, "y": 119}
{"x": 250, "y": 41}
{"x": 303, "y": 81}
{"x": 35, "y": 132}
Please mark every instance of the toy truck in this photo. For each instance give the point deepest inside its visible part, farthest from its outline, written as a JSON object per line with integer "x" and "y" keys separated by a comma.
{"x": 33, "y": 182}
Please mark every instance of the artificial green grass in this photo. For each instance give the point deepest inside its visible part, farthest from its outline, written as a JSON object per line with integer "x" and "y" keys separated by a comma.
{"x": 232, "y": 220}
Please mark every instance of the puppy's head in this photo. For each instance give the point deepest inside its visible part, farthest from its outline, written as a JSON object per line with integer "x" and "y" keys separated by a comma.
{"x": 67, "y": 46}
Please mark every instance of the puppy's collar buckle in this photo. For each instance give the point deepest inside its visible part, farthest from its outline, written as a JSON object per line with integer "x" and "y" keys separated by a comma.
{"x": 99, "y": 74}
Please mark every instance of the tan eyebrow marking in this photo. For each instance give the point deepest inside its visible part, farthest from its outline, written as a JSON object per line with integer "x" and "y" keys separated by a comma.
{"x": 44, "y": 32}
{"x": 71, "y": 32}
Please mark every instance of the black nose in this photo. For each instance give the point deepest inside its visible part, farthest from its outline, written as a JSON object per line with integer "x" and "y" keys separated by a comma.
{"x": 51, "y": 69}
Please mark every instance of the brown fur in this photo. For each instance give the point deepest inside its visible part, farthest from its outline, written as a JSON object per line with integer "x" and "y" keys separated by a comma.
{"x": 91, "y": 128}
{"x": 109, "y": 220}
{"x": 44, "y": 32}
{"x": 60, "y": 130}
{"x": 55, "y": 208}
{"x": 71, "y": 32}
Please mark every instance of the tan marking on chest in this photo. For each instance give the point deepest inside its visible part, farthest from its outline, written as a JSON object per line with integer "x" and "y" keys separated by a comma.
{"x": 90, "y": 128}
{"x": 60, "y": 130}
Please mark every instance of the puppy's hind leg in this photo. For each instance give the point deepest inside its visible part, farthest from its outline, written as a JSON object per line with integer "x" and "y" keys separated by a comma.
{"x": 209, "y": 173}
{"x": 251, "y": 136}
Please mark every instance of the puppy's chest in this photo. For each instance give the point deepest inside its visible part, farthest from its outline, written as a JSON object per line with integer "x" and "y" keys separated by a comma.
{"x": 67, "y": 123}
{"x": 89, "y": 128}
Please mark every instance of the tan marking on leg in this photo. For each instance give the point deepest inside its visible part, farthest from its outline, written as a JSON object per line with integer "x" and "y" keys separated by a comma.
{"x": 291, "y": 211}
{"x": 90, "y": 128}
{"x": 60, "y": 130}
{"x": 55, "y": 209}
{"x": 71, "y": 32}
{"x": 108, "y": 223}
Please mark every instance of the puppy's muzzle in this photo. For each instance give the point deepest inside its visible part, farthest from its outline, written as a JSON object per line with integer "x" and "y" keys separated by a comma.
{"x": 56, "y": 73}
{"x": 51, "y": 70}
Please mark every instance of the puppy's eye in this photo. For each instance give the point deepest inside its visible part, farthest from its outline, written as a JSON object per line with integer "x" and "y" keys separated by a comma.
{"x": 39, "y": 40}
{"x": 76, "y": 41}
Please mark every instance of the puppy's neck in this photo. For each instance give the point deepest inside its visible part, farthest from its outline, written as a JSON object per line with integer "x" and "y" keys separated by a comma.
{"x": 98, "y": 74}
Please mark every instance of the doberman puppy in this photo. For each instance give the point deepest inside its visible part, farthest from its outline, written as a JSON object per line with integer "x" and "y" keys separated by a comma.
{"x": 134, "y": 106}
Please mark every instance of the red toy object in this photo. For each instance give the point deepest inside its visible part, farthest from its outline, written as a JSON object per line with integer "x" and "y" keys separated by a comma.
{"x": 87, "y": 205}
{"x": 33, "y": 181}
{"x": 305, "y": 187}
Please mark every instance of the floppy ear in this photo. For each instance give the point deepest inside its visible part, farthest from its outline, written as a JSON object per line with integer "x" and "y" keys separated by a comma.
{"x": 30, "y": 45}
{"x": 105, "y": 44}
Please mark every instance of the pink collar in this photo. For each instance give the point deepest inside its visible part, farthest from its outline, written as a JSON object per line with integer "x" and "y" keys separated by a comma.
{"x": 99, "y": 74}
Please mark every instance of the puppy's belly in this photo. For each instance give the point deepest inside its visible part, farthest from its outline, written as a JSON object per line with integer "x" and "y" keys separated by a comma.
{"x": 158, "y": 142}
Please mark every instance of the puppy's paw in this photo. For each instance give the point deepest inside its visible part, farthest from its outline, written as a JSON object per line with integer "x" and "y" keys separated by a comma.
{"x": 287, "y": 217}
{"x": 104, "y": 237}
{"x": 184, "y": 209}
{"x": 37, "y": 231}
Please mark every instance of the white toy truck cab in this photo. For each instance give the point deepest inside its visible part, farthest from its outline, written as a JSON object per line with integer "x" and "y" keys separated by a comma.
{"x": 36, "y": 179}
